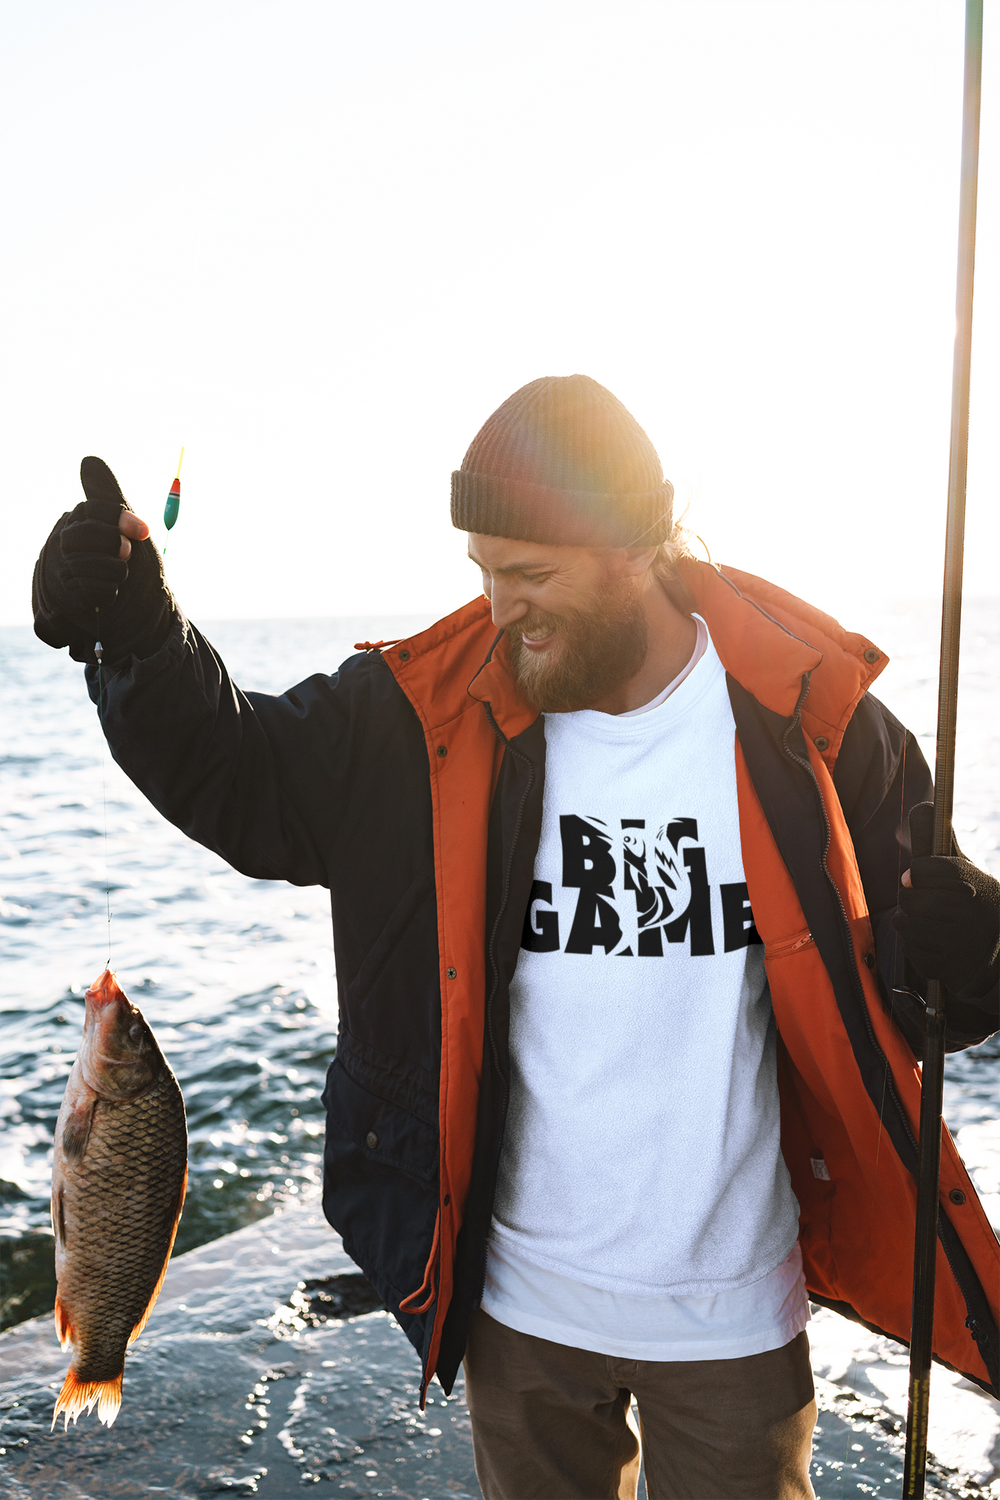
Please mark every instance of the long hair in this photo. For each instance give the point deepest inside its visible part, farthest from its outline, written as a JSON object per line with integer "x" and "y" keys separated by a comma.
{"x": 664, "y": 566}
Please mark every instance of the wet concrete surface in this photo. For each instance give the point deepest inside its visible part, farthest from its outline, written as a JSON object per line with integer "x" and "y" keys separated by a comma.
{"x": 238, "y": 1386}
{"x": 229, "y": 1390}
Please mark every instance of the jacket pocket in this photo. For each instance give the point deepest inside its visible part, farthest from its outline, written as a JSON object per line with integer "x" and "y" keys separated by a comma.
{"x": 389, "y": 1076}
{"x": 381, "y": 1131}
{"x": 794, "y": 944}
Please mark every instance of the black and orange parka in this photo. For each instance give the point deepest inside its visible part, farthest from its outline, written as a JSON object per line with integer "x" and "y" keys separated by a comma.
{"x": 409, "y": 783}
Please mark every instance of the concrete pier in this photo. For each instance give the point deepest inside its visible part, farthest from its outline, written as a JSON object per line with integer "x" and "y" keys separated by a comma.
{"x": 232, "y": 1390}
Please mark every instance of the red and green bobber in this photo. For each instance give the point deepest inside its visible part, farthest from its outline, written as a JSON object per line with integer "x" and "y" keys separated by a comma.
{"x": 173, "y": 505}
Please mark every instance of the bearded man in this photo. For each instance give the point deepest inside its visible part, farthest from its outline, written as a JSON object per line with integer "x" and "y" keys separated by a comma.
{"x": 625, "y": 1064}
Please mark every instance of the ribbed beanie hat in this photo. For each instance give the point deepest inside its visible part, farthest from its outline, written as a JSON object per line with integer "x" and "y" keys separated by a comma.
{"x": 563, "y": 462}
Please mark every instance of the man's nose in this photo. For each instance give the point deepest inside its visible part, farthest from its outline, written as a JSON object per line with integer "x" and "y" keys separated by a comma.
{"x": 506, "y": 602}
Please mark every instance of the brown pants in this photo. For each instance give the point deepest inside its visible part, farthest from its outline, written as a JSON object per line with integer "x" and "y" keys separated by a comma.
{"x": 552, "y": 1423}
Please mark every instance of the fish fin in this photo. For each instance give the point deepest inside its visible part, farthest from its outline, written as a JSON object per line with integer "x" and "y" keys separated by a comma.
{"x": 64, "y": 1328}
{"x": 166, "y": 1261}
{"x": 59, "y": 1216}
{"x": 76, "y": 1131}
{"x": 78, "y": 1396}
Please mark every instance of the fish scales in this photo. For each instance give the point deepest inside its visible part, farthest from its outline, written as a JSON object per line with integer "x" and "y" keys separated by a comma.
{"x": 119, "y": 1175}
{"x": 118, "y": 1220}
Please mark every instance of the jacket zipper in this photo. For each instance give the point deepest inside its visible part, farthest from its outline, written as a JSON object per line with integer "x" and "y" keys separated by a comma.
{"x": 971, "y": 1322}
{"x": 806, "y": 765}
{"x": 504, "y": 893}
{"x": 788, "y": 945}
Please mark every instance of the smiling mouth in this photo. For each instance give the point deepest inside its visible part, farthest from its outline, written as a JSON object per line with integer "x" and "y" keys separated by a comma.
{"x": 538, "y": 642}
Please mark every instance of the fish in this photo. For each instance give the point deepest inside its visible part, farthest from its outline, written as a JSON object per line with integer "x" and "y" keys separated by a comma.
{"x": 119, "y": 1176}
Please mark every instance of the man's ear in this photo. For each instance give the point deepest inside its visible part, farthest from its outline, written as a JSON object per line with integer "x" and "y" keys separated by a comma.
{"x": 637, "y": 561}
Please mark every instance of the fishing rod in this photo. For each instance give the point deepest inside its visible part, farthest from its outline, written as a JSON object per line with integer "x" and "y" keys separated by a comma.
{"x": 932, "y": 1088}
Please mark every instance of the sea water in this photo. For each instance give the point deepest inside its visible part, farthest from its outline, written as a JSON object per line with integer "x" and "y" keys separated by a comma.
{"x": 235, "y": 975}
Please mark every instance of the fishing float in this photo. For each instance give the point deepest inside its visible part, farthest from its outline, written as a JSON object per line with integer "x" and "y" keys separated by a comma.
{"x": 172, "y": 508}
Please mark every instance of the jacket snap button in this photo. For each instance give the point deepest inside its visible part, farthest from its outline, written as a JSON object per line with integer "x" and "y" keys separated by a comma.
{"x": 442, "y": 750}
{"x": 371, "y": 1140}
{"x": 451, "y": 973}
{"x": 871, "y": 655}
{"x": 404, "y": 656}
{"x": 870, "y": 960}
{"x": 821, "y": 742}
{"x": 956, "y": 1195}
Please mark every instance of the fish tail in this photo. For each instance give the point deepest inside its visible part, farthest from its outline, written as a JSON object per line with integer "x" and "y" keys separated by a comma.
{"x": 78, "y": 1396}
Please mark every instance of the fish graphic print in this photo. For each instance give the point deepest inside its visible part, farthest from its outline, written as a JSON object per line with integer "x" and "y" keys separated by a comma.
{"x": 642, "y": 884}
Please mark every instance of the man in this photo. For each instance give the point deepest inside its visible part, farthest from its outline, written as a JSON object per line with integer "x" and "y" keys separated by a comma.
{"x": 624, "y": 1064}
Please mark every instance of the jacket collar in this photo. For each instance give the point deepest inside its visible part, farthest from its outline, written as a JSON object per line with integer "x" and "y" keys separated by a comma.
{"x": 456, "y": 665}
{"x": 767, "y": 639}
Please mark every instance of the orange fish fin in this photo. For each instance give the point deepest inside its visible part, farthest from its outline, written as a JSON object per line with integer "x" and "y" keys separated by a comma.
{"x": 166, "y": 1261}
{"x": 78, "y": 1396}
{"x": 64, "y": 1328}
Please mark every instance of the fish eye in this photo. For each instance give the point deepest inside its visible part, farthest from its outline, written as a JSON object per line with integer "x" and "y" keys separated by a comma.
{"x": 135, "y": 1030}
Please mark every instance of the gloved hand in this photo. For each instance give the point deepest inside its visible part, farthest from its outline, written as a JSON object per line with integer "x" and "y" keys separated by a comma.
{"x": 83, "y": 590}
{"x": 949, "y": 914}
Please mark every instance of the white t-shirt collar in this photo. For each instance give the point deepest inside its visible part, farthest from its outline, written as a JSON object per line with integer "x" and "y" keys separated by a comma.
{"x": 700, "y": 647}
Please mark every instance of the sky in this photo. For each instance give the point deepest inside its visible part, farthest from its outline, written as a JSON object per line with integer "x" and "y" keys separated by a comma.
{"x": 319, "y": 243}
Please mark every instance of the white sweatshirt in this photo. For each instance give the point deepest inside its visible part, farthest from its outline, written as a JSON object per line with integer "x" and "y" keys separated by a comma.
{"x": 641, "y": 1154}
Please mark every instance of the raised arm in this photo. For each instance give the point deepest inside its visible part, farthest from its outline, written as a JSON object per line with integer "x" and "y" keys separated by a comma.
{"x": 261, "y": 780}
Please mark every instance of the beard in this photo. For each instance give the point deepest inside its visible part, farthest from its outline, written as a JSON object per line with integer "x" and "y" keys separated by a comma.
{"x": 599, "y": 649}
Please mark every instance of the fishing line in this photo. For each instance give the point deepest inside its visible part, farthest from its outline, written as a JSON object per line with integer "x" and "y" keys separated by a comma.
{"x": 170, "y": 513}
{"x": 99, "y": 653}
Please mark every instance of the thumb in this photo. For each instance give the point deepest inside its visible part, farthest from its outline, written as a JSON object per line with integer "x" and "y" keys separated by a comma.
{"x": 105, "y": 501}
{"x": 921, "y": 829}
{"x": 922, "y": 832}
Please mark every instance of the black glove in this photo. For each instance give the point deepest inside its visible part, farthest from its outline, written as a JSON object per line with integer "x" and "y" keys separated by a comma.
{"x": 949, "y": 916}
{"x": 82, "y": 591}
